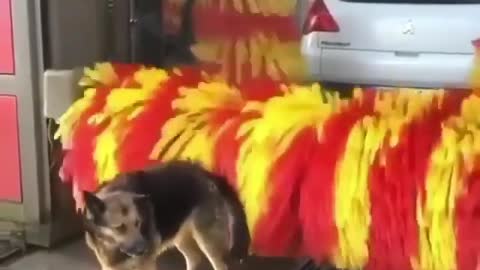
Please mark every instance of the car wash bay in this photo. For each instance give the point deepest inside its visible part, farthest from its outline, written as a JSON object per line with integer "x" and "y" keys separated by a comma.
{"x": 35, "y": 207}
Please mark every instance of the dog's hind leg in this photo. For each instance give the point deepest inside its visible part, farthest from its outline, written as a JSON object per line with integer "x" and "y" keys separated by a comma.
{"x": 190, "y": 250}
{"x": 213, "y": 250}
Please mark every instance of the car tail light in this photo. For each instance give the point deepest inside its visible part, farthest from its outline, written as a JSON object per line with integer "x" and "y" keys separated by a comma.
{"x": 319, "y": 19}
{"x": 476, "y": 43}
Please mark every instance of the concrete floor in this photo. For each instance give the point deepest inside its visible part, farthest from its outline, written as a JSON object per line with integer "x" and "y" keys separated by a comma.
{"x": 73, "y": 256}
{"x": 76, "y": 256}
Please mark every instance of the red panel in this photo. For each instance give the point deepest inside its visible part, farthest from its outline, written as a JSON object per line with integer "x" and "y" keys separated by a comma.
{"x": 10, "y": 176}
{"x": 7, "y": 65}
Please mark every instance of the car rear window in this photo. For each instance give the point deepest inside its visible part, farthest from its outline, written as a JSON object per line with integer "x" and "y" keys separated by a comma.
{"x": 451, "y": 2}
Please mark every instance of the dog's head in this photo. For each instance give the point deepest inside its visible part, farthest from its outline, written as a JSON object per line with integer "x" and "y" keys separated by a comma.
{"x": 120, "y": 220}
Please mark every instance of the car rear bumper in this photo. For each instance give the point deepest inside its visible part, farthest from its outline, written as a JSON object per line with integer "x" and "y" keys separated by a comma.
{"x": 365, "y": 67}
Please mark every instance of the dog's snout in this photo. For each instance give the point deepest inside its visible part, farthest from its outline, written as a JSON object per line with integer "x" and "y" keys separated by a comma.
{"x": 138, "y": 248}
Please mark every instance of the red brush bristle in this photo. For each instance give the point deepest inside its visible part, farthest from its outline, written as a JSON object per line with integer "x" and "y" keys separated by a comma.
{"x": 79, "y": 165}
{"x": 468, "y": 223}
{"x": 393, "y": 230}
{"x": 317, "y": 194}
{"x": 220, "y": 116}
{"x": 397, "y": 178}
{"x": 83, "y": 167}
{"x": 468, "y": 211}
{"x": 135, "y": 149}
{"x": 226, "y": 153}
{"x": 66, "y": 170}
{"x": 279, "y": 232}
{"x": 227, "y": 147}
{"x": 260, "y": 89}
{"x": 241, "y": 25}
{"x": 125, "y": 71}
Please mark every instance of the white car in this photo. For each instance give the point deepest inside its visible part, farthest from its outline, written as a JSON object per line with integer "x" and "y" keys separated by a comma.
{"x": 409, "y": 43}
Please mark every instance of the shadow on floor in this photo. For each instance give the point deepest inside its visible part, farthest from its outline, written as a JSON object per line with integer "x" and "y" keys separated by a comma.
{"x": 76, "y": 256}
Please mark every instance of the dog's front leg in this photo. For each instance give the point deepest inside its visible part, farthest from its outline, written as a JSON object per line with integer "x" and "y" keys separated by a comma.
{"x": 91, "y": 245}
{"x": 151, "y": 265}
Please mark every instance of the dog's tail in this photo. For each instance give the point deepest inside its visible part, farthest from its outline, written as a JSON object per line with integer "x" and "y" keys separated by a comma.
{"x": 239, "y": 233}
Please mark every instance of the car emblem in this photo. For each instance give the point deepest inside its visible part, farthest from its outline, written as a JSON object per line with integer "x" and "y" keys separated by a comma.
{"x": 408, "y": 28}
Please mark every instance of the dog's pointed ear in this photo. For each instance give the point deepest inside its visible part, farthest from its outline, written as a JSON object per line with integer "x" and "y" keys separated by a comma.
{"x": 141, "y": 197}
{"x": 129, "y": 179}
{"x": 93, "y": 204}
{"x": 134, "y": 175}
{"x": 141, "y": 200}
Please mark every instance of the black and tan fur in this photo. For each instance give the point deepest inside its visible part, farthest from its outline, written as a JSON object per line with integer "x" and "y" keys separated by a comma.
{"x": 130, "y": 221}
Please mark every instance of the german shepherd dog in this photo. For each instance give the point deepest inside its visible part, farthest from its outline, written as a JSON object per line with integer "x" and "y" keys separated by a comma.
{"x": 138, "y": 215}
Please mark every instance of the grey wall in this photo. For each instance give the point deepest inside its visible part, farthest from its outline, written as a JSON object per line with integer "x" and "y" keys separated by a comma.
{"x": 80, "y": 32}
